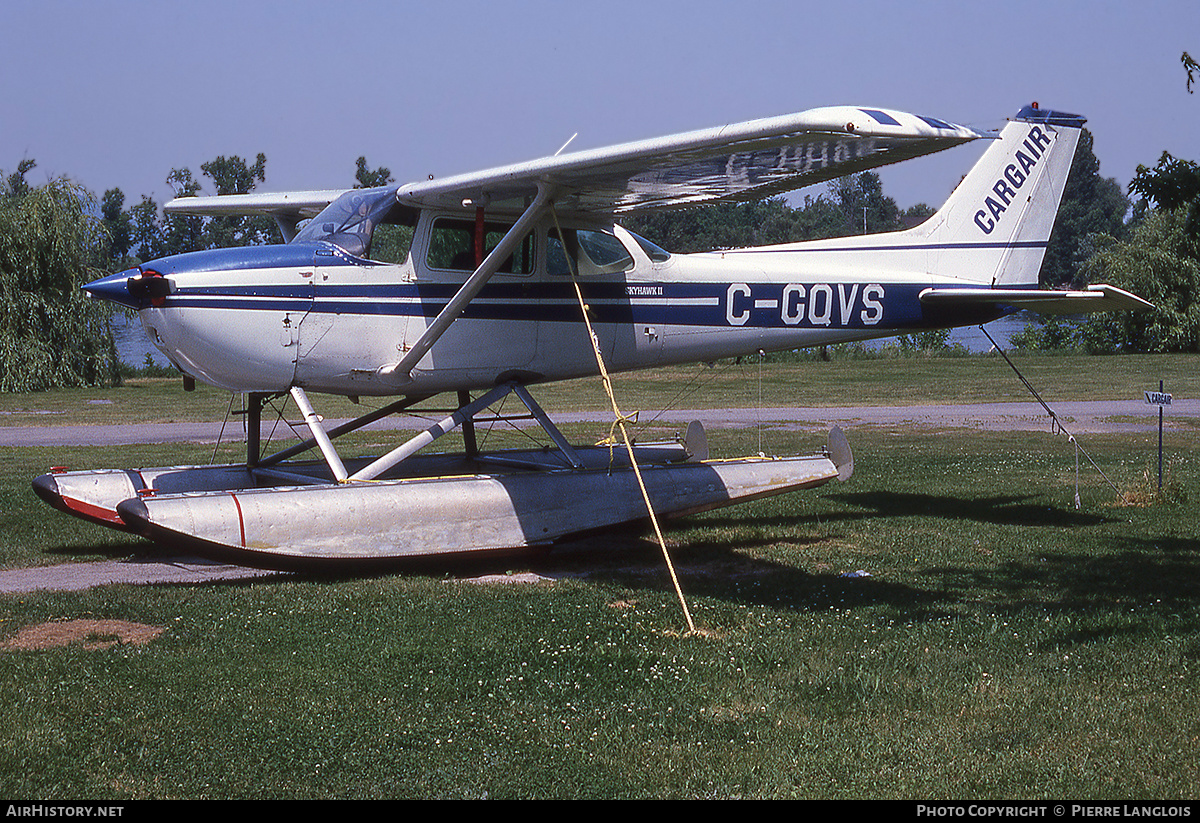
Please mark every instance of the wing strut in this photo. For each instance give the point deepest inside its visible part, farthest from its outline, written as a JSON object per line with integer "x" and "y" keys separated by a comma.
{"x": 458, "y": 303}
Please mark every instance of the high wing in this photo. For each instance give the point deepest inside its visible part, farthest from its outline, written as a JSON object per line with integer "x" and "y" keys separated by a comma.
{"x": 744, "y": 161}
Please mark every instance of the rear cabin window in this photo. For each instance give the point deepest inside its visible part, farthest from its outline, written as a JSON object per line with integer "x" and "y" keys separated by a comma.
{"x": 656, "y": 253}
{"x": 452, "y": 246}
{"x": 586, "y": 252}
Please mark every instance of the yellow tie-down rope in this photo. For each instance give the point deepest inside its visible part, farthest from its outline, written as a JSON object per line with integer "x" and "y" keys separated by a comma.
{"x": 620, "y": 421}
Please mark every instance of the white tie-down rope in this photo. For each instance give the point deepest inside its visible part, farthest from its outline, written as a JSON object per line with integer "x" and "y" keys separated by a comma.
{"x": 1058, "y": 424}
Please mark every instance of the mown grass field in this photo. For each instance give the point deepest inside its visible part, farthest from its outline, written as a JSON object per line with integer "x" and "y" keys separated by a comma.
{"x": 839, "y": 382}
{"x": 945, "y": 625}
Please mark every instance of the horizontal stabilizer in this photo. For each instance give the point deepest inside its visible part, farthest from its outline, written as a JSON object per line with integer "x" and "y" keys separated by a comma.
{"x": 1095, "y": 299}
{"x": 287, "y": 208}
{"x": 292, "y": 203}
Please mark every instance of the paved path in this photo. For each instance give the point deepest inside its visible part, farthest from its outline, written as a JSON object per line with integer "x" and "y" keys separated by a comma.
{"x": 71, "y": 577}
{"x": 1078, "y": 417}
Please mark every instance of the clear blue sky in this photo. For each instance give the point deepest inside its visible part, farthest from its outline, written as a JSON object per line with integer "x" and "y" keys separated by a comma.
{"x": 117, "y": 93}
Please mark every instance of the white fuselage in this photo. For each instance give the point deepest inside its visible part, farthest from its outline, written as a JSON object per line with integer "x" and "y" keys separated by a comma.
{"x": 335, "y": 325}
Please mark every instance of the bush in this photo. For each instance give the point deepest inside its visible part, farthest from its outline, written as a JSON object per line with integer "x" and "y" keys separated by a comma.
{"x": 1052, "y": 333}
{"x": 51, "y": 333}
{"x": 1159, "y": 263}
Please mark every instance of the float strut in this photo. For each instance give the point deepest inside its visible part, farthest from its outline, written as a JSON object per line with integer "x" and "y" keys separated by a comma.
{"x": 318, "y": 433}
{"x": 470, "y": 445}
{"x": 415, "y": 444}
{"x": 254, "y": 407}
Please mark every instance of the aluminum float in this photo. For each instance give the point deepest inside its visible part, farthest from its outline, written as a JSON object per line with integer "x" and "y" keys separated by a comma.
{"x": 497, "y": 502}
{"x": 450, "y": 515}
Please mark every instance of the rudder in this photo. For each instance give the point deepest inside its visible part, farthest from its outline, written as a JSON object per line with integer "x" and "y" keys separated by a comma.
{"x": 995, "y": 227}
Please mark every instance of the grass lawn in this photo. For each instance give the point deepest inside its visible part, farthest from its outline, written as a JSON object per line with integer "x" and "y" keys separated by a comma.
{"x": 946, "y": 625}
{"x": 839, "y": 382}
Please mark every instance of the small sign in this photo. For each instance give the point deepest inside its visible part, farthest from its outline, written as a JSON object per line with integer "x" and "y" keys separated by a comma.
{"x": 1158, "y": 398}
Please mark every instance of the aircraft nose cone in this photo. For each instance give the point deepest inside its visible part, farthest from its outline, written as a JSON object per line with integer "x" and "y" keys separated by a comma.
{"x": 114, "y": 288}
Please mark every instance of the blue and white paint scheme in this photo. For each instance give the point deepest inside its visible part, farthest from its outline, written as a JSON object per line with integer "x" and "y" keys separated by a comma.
{"x": 322, "y": 314}
{"x": 487, "y": 298}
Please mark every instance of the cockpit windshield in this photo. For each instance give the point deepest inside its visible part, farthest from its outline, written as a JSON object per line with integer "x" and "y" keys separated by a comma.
{"x": 349, "y": 221}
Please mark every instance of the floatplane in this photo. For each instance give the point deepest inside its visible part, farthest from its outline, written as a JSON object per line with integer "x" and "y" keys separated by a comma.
{"x": 522, "y": 275}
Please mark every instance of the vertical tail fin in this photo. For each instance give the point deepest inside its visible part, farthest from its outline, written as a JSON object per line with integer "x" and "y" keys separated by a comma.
{"x": 995, "y": 227}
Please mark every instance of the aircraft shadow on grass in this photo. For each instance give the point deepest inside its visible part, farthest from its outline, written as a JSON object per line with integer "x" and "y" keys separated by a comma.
{"x": 724, "y": 568}
{"x": 1141, "y": 575}
{"x": 999, "y": 510}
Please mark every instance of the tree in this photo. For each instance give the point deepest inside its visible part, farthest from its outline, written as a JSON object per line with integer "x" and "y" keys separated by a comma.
{"x": 182, "y": 232}
{"x": 819, "y": 217}
{"x": 147, "y": 242}
{"x": 118, "y": 223}
{"x": 1172, "y": 184}
{"x": 152, "y": 236}
{"x": 231, "y": 175}
{"x": 15, "y": 183}
{"x": 719, "y": 226}
{"x": 1090, "y": 205}
{"x": 916, "y": 215}
{"x": 838, "y": 212}
{"x": 51, "y": 243}
{"x": 1159, "y": 262}
{"x": 864, "y": 208}
{"x": 368, "y": 178}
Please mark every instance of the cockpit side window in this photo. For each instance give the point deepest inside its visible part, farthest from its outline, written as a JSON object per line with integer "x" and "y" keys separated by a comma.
{"x": 452, "y": 246}
{"x": 586, "y": 252}
{"x": 393, "y": 238}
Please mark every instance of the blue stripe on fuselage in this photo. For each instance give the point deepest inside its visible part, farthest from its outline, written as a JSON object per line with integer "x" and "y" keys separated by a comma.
{"x": 859, "y": 306}
{"x": 1023, "y": 244}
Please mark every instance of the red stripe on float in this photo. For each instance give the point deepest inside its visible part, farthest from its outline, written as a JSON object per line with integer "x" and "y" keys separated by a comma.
{"x": 241, "y": 520}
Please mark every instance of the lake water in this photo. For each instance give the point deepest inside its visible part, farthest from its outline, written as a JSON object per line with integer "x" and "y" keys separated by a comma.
{"x": 1002, "y": 330}
{"x": 133, "y": 345}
